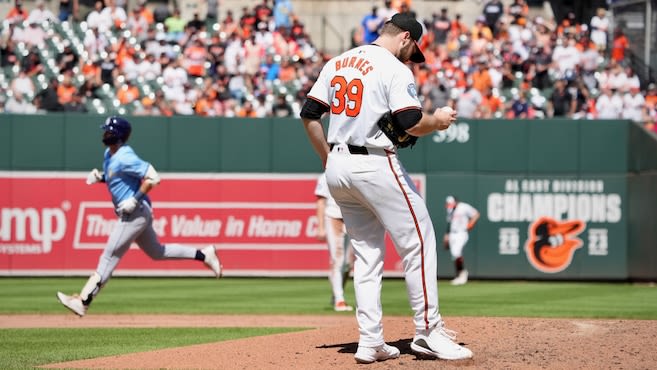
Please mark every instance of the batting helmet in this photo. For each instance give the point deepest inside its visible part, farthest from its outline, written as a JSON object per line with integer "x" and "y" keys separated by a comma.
{"x": 117, "y": 129}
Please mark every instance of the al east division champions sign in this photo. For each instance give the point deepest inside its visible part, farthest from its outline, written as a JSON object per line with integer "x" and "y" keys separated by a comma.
{"x": 553, "y": 220}
{"x": 262, "y": 224}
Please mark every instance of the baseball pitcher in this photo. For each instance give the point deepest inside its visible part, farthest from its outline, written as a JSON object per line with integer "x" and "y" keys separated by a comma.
{"x": 371, "y": 97}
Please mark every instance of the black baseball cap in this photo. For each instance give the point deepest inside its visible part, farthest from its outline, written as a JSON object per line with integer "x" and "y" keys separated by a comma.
{"x": 412, "y": 26}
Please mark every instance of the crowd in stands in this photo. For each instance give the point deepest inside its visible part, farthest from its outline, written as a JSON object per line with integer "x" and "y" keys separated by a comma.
{"x": 261, "y": 63}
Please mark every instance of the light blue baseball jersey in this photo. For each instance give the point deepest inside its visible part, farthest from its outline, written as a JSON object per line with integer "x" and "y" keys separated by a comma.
{"x": 123, "y": 173}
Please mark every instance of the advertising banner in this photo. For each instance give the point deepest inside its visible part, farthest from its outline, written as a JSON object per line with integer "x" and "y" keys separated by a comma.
{"x": 262, "y": 224}
{"x": 544, "y": 227}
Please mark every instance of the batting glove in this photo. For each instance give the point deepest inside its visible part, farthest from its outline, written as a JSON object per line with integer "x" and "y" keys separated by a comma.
{"x": 127, "y": 206}
{"x": 94, "y": 176}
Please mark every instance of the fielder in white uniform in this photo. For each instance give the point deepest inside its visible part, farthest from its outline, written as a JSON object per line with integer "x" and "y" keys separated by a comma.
{"x": 332, "y": 230}
{"x": 372, "y": 188}
{"x": 461, "y": 218}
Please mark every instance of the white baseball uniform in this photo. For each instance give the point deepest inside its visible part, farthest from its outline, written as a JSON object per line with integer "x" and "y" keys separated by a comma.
{"x": 371, "y": 185}
{"x": 340, "y": 254}
{"x": 458, "y": 219}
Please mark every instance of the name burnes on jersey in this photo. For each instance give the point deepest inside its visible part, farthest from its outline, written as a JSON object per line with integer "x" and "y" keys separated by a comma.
{"x": 361, "y": 64}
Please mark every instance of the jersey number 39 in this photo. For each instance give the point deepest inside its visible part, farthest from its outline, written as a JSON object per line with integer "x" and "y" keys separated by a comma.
{"x": 348, "y": 96}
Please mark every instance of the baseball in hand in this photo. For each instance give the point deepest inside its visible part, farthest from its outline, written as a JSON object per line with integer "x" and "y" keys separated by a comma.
{"x": 448, "y": 110}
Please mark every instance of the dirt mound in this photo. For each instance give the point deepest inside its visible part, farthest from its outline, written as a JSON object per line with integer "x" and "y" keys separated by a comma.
{"x": 508, "y": 343}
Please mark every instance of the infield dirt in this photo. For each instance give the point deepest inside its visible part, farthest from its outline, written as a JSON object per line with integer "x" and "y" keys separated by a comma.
{"x": 331, "y": 341}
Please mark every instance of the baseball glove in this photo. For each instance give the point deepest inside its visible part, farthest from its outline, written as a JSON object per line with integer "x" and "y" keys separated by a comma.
{"x": 396, "y": 134}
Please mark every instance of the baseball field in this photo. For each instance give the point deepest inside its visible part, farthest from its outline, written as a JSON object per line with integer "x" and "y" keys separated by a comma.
{"x": 282, "y": 323}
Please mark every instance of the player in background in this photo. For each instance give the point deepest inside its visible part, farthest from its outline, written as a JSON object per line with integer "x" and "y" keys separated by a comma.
{"x": 371, "y": 186}
{"x": 461, "y": 218}
{"x": 332, "y": 230}
{"x": 129, "y": 179}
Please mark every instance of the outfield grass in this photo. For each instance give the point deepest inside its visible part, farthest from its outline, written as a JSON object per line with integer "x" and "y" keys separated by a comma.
{"x": 312, "y": 296}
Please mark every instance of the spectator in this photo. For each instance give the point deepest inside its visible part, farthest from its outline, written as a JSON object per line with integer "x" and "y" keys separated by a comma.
{"x": 435, "y": 91}
{"x": 8, "y": 55}
{"x": 40, "y": 13}
{"x": 599, "y": 28}
{"x": 99, "y": 19}
{"x": 145, "y": 13}
{"x": 371, "y": 24}
{"x": 261, "y": 106}
{"x": 66, "y": 90}
{"x": 16, "y": 14}
{"x": 161, "y": 12}
{"x": 457, "y": 26}
{"x": 469, "y": 103}
{"x": 491, "y": 105}
{"x": 283, "y": 13}
{"x": 615, "y": 78}
{"x": 542, "y": 58}
{"x": 175, "y": 26}
{"x": 247, "y": 110}
{"x": 519, "y": 11}
{"x": 609, "y": 104}
{"x": 34, "y": 35}
{"x": 288, "y": 72}
{"x": 253, "y": 55}
{"x": 76, "y": 105}
{"x": 481, "y": 29}
{"x": 174, "y": 79}
{"x": 620, "y": 46}
{"x": 566, "y": 57}
{"x": 19, "y": 105}
{"x": 109, "y": 69}
{"x": 163, "y": 105}
{"x": 137, "y": 24}
{"x": 440, "y": 26}
{"x": 95, "y": 43}
{"x": 589, "y": 62}
{"x": 128, "y": 93}
{"x": 149, "y": 69}
{"x": 22, "y": 84}
{"x": 68, "y": 59}
{"x": 87, "y": 90}
{"x": 147, "y": 108}
{"x": 561, "y": 102}
{"x": 48, "y": 99}
{"x": 247, "y": 23}
{"x": 519, "y": 107}
{"x": 65, "y": 10}
{"x": 584, "y": 103}
{"x": 634, "y": 105}
{"x": 651, "y": 96}
{"x": 493, "y": 10}
{"x": 229, "y": 25}
{"x": 387, "y": 11}
{"x": 631, "y": 80}
{"x": 31, "y": 64}
{"x": 195, "y": 57}
{"x": 481, "y": 79}
{"x": 281, "y": 108}
{"x": 196, "y": 24}
{"x": 116, "y": 15}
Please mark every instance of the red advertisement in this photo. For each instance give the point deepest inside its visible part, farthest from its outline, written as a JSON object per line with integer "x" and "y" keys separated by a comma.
{"x": 262, "y": 224}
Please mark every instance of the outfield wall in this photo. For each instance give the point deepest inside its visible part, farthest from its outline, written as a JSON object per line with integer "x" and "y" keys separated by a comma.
{"x": 590, "y": 184}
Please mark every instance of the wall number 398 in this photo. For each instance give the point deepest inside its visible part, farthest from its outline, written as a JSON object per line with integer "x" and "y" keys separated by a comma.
{"x": 458, "y": 132}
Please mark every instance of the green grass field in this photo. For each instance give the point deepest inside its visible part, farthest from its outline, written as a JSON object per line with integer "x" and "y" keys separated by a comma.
{"x": 25, "y": 348}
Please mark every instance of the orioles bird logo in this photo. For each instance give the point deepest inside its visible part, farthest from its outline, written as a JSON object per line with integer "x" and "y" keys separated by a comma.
{"x": 552, "y": 243}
